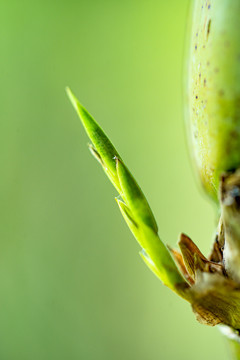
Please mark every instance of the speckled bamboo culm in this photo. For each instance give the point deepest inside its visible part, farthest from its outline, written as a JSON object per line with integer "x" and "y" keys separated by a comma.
{"x": 210, "y": 284}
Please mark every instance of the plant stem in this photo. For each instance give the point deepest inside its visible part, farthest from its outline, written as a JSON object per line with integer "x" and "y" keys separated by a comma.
{"x": 234, "y": 349}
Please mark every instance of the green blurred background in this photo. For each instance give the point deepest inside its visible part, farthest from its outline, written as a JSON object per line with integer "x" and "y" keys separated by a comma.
{"x": 72, "y": 283}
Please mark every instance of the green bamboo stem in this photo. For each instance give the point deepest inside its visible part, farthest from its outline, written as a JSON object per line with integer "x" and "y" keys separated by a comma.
{"x": 213, "y": 125}
{"x": 234, "y": 349}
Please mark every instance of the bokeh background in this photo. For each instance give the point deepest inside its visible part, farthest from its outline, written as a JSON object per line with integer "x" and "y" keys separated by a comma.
{"x": 72, "y": 283}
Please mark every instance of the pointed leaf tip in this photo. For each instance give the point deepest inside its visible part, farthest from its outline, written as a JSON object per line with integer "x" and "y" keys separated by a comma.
{"x": 72, "y": 98}
{"x": 95, "y": 154}
{"x": 102, "y": 145}
{"x": 135, "y": 209}
{"x": 128, "y": 217}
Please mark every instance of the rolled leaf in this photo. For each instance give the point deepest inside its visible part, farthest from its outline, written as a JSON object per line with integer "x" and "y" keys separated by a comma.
{"x": 102, "y": 145}
{"x": 134, "y": 196}
{"x": 155, "y": 254}
{"x": 134, "y": 207}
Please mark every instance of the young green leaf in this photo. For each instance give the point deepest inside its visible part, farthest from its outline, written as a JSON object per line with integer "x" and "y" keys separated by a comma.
{"x": 154, "y": 253}
{"x": 128, "y": 217}
{"x": 134, "y": 196}
{"x": 134, "y": 207}
{"x": 162, "y": 260}
{"x": 102, "y": 145}
{"x": 180, "y": 288}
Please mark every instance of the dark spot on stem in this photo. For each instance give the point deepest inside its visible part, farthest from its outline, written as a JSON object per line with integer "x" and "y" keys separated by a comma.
{"x": 196, "y": 97}
{"x": 209, "y": 27}
{"x": 205, "y": 82}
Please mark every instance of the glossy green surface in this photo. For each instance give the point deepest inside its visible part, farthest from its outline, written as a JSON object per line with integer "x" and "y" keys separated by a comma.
{"x": 214, "y": 89}
{"x": 132, "y": 203}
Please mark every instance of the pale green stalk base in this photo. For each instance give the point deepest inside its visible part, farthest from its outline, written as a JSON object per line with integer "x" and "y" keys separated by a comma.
{"x": 234, "y": 349}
